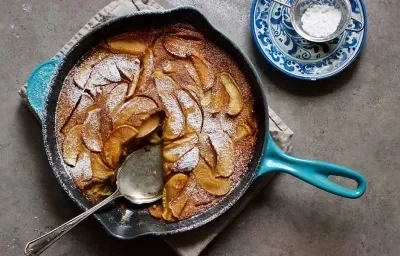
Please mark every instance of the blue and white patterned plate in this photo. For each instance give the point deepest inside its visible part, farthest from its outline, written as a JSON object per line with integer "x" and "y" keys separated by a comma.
{"x": 279, "y": 43}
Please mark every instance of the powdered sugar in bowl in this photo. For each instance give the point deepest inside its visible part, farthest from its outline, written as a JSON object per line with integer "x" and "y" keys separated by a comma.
{"x": 320, "y": 20}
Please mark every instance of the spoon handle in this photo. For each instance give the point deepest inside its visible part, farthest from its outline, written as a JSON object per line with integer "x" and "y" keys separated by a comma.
{"x": 40, "y": 244}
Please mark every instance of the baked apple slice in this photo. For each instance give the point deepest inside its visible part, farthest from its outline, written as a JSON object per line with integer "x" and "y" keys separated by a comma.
{"x": 188, "y": 34}
{"x": 242, "y": 131}
{"x": 101, "y": 172}
{"x": 96, "y": 191}
{"x": 116, "y": 98}
{"x": 129, "y": 67}
{"x": 148, "y": 67}
{"x": 193, "y": 73}
{"x": 135, "y": 106}
{"x": 223, "y": 146}
{"x": 220, "y": 99}
{"x": 174, "y": 124}
{"x": 72, "y": 145}
{"x": 195, "y": 92}
{"x": 236, "y": 99}
{"x": 96, "y": 56}
{"x": 185, "y": 31}
{"x": 82, "y": 172}
{"x": 113, "y": 146}
{"x": 185, "y": 164}
{"x": 204, "y": 71}
{"x": 206, "y": 179}
{"x": 179, "y": 202}
{"x": 171, "y": 189}
{"x": 173, "y": 151}
{"x": 178, "y": 47}
{"x": 154, "y": 138}
{"x": 137, "y": 120}
{"x": 78, "y": 116}
{"x": 83, "y": 72}
{"x": 91, "y": 131}
{"x": 229, "y": 124}
{"x": 148, "y": 126}
{"x": 127, "y": 46}
{"x": 211, "y": 123}
{"x": 82, "y": 75}
{"x": 192, "y": 111}
{"x": 188, "y": 161}
{"x": 177, "y": 205}
{"x": 102, "y": 94}
{"x": 207, "y": 151}
{"x": 164, "y": 83}
{"x": 188, "y": 138}
{"x": 105, "y": 72}
{"x": 206, "y": 99}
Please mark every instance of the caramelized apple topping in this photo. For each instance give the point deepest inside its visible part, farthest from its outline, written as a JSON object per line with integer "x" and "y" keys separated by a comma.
{"x": 168, "y": 86}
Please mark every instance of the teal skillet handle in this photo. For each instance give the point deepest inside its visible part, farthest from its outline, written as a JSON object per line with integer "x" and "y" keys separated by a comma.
{"x": 39, "y": 84}
{"x": 313, "y": 172}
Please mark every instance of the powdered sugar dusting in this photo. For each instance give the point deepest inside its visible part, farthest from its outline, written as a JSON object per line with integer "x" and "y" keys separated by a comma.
{"x": 189, "y": 161}
{"x": 211, "y": 123}
{"x": 200, "y": 196}
{"x": 223, "y": 145}
{"x": 206, "y": 150}
{"x": 83, "y": 168}
{"x": 193, "y": 73}
{"x": 103, "y": 73}
{"x": 73, "y": 94}
{"x": 91, "y": 131}
{"x": 194, "y": 117}
{"x": 79, "y": 114}
{"x": 108, "y": 69}
{"x": 164, "y": 84}
{"x": 82, "y": 76}
{"x": 148, "y": 66}
{"x": 128, "y": 66}
{"x": 143, "y": 105}
{"x": 175, "y": 123}
{"x": 228, "y": 124}
{"x": 116, "y": 97}
{"x": 178, "y": 151}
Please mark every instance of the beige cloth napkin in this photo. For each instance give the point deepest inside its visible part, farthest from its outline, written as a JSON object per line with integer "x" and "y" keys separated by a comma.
{"x": 191, "y": 243}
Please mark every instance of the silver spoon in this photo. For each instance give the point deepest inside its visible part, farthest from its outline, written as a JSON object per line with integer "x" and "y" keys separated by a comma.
{"x": 137, "y": 182}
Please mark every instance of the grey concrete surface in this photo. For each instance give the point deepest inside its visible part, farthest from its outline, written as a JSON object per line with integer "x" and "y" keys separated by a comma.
{"x": 352, "y": 119}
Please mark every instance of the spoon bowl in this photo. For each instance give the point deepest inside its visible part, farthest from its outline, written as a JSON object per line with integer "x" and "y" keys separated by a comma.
{"x": 145, "y": 184}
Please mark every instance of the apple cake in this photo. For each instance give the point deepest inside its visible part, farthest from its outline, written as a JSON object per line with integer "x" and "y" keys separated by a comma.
{"x": 168, "y": 86}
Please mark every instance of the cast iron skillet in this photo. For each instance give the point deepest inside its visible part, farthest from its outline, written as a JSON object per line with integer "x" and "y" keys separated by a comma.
{"x": 267, "y": 158}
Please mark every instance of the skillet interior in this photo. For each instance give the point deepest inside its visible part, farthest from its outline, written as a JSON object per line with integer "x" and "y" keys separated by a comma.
{"x": 110, "y": 218}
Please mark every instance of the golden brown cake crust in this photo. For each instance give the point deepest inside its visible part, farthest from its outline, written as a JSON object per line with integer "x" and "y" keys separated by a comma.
{"x": 170, "y": 82}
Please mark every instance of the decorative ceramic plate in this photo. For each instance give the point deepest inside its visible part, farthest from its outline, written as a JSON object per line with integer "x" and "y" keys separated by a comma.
{"x": 279, "y": 43}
